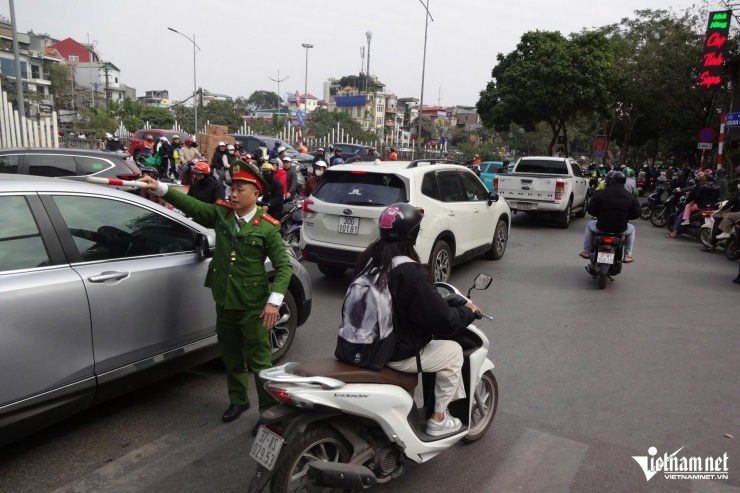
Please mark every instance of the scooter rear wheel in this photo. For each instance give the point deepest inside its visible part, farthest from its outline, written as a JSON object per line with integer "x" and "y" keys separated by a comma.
{"x": 602, "y": 281}
{"x": 659, "y": 217}
{"x": 731, "y": 250}
{"x": 320, "y": 442}
{"x": 705, "y": 237}
{"x": 485, "y": 402}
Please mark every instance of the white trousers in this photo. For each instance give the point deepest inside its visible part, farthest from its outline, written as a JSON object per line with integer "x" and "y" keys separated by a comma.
{"x": 446, "y": 359}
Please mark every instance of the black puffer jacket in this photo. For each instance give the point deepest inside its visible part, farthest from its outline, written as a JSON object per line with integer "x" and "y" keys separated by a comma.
{"x": 705, "y": 195}
{"x": 614, "y": 207}
{"x": 207, "y": 190}
{"x": 420, "y": 314}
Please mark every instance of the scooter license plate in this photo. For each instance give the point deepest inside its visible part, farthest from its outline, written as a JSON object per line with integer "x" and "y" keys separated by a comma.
{"x": 266, "y": 447}
{"x": 605, "y": 258}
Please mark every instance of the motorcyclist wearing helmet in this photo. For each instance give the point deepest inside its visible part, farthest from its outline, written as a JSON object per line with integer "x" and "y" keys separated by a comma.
{"x": 189, "y": 156}
{"x": 262, "y": 154}
{"x": 204, "y": 186}
{"x": 319, "y": 168}
{"x": 337, "y": 155}
{"x": 630, "y": 185}
{"x": 612, "y": 207}
{"x": 149, "y": 146}
{"x": 320, "y": 155}
{"x": 274, "y": 193}
{"x": 422, "y": 319}
{"x": 174, "y": 159}
{"x": 275, "y": 151}
{"x": 703, "y": 196}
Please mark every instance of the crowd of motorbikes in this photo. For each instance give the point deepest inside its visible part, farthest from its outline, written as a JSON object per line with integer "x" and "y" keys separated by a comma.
{"x": 662, "y": 206}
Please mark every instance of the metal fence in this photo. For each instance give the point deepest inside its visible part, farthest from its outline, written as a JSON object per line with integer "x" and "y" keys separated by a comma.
{"x": 17, "y": 131}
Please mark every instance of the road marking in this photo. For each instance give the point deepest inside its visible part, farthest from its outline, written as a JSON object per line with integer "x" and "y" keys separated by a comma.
{"x": 538, "y": 462}
{"x": 140, "y": 469}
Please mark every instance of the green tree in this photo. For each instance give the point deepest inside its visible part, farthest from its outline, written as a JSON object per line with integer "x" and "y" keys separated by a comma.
{"x": 157, "y": 117}
{"x": 322, "y": 122}
{"x": 260, "y": 100}
{"x": 548, "y": 78}
{"x": 221, "y": 113}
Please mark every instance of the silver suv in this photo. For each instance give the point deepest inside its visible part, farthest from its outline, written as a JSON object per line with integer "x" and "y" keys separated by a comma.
{"x": 462, "y": 219}
{"x": 102, "y": 291}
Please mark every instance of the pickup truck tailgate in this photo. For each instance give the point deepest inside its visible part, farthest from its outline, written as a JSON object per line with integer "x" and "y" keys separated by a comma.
{"x": 528, "y": 188}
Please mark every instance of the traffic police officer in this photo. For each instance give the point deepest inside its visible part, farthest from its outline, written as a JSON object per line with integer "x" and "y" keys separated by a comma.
{"x": 245, "y": 308}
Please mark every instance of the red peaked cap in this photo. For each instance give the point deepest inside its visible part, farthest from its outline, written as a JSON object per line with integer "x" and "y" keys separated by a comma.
{"x": 242, "y": 171}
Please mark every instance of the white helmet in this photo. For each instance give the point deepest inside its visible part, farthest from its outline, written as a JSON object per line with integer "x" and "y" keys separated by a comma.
{"x": 321, "y": 164}
{"x": 230, "y": 147}
{"x": 222, "y": 143}
{"x": 281, "y": 149}
{"x": 164, "y": 139}
{"x": 108, "y": 136}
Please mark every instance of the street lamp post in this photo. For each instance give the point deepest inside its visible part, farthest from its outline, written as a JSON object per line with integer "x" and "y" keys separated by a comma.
{"x": 195, "y": 90}
{"x": 423, "y": 70}
{"x": 305, "y": 81}
{"x": 515, "y": 136}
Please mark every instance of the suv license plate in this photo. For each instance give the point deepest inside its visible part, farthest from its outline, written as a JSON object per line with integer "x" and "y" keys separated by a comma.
{"x": 605, "y": 258}
{"x": 349, "y": 225}
{"x": 266, "y": 447}
{"x": 524, "y": 206}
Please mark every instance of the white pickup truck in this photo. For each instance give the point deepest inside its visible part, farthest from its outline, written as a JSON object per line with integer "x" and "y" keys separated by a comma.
{"x": 545, "y": 185}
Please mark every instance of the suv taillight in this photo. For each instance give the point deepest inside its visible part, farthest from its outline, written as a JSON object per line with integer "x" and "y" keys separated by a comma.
{"x": 559, "y": 189}
{"x": 495, "y": 184}
{"x": 307, "y": 211}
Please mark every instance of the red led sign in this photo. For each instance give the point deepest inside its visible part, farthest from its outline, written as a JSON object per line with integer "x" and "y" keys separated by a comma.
{"x": 713, "y": 58}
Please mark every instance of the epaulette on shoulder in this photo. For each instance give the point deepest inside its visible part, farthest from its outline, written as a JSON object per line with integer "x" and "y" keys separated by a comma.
{"x": 225, "y": 203}
{"x": 270, "y": 219}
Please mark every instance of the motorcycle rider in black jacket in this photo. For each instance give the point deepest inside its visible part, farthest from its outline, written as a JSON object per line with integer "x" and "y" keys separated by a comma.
{"x": 613, "y": 207}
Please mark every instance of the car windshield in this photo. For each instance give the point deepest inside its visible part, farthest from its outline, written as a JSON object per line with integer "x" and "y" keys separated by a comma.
{"x": 544, "y": 166}
{"x": 182, "y": 136}
{"x": 271, "y": 143}
{"x": 361, "y": 188}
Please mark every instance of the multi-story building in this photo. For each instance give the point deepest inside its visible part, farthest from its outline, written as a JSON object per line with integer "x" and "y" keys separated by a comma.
{"x": 309, "y": 102}
{"x": 34, "y": 67}
{"x": 158, "y": 99}
{"x": 367, "y": 107}
{"x": 208, "y": 96}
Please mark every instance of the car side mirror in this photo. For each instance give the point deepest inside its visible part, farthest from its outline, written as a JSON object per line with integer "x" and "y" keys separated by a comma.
{"x": 203, "y": 247}
{"x": 492, "y": 197}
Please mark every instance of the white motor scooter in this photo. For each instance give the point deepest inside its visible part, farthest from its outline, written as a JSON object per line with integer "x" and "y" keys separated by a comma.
{"x": 706, "y": 230}
{"x": 346, "y": 428}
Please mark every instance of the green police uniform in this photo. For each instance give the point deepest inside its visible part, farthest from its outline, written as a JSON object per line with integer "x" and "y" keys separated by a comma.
{"x": 240, "y": 288}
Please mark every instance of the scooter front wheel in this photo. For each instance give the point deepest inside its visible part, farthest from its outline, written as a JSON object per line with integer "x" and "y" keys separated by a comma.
{"x": 705, "y": 236}
{"x": 320, "y": 442}
{"x": 646, "y": 211}
{"x": 485, "y": 402}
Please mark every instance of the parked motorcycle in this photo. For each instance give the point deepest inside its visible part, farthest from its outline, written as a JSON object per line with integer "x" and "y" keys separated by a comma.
{"x": 705, "y": 235}
{"x": 661, "y": 213}
{"x": 607, "y": 253}
{"x": 654, "y": 200}
{"x": 696, "y": 220}
{"x": 344, "y": 427}
{"x": 290, "y": 226}
{"x": 732, "y": 244}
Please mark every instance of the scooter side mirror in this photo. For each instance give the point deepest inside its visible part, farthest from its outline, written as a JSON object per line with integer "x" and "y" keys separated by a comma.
{"x": 482, "y": 282}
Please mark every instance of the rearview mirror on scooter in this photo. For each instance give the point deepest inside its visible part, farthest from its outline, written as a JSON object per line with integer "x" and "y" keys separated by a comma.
{"x": 482, "y": 281}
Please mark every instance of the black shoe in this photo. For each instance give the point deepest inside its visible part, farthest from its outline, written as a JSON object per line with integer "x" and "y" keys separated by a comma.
{"x": 256, "y": 428}
{"x": 736, "y": 281}
{"x": 707, "y": 249}
{"x": 234, "y": 411}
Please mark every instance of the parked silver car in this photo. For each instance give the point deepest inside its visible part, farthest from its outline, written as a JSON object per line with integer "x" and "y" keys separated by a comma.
{"x": 101, "y": 291}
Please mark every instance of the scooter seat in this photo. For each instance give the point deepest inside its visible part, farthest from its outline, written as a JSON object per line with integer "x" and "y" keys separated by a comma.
{"x": 332, "y": 367}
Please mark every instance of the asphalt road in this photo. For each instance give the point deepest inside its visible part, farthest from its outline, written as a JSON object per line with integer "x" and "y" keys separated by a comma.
{"x": 587, "y": 379}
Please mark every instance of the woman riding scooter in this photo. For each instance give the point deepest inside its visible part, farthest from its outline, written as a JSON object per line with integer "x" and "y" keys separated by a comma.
{"x": 422, "y": 317}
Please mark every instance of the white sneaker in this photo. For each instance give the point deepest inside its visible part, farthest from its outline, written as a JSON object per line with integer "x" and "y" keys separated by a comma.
{"x": 448, "y": 425}
{"x": 685, "y": 223}
{"x": 723, "y": 236}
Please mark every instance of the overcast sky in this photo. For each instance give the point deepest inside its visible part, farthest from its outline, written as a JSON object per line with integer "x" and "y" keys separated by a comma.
{"x": 245, "y": 42}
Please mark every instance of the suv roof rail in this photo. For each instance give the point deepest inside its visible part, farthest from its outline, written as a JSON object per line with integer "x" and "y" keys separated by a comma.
{"x": 416, "y": 162}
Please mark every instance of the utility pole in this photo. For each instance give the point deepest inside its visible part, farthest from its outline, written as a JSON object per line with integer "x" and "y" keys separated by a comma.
{"x": 362, "y": 59}
{"x": 368, "y": 117}
{"x": 279, "y": 80}
{"x": 427, "y": 16}
{"x": 107, "y": 84}
{"x": 18, "y": 73}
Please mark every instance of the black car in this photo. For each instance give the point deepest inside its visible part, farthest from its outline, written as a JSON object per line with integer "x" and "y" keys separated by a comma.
{"x": 74, "y": 164}
{"x": 252, "y": 142}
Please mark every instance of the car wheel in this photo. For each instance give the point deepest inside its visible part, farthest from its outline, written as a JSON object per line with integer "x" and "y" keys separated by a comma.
{"x": 500, "y": 238}
{"x": 563, "y": 220}
{"x": 332, "y": 270}
{"x": 282, "y": 335}
{"x": 440, "y": 262}
{"x": 582, "y": 212}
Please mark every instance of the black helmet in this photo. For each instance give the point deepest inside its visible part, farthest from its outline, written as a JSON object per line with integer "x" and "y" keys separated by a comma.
{"x": 152, "y": 170}
{"x": 399, "y": 222}
{"x": 615, "y": 178}
{"x": 709, "y": 176}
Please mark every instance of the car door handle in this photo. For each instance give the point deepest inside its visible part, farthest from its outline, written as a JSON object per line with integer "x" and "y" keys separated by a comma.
{"x": 476, "y": 211}
{"x": 108, "y": 276}
{"x": 450, "y": 213}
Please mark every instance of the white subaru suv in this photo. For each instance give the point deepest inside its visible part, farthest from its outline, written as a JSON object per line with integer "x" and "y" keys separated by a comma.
{"x": 462, "y": 220}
